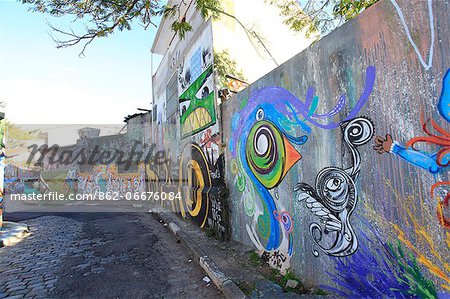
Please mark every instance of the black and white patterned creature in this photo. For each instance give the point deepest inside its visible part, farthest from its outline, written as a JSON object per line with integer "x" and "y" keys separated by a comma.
{"x": 334, "y": 197}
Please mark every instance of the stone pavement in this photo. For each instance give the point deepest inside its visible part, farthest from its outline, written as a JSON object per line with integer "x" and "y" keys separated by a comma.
{"x": 120, "y": 255}
{"x": 28, "y": 269}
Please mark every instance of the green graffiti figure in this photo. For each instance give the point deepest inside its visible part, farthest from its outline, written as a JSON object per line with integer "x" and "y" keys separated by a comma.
{"x": 197, "y": 111}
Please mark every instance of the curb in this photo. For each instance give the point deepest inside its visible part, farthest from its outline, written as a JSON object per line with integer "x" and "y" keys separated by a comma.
{"x": 224, "y": 283}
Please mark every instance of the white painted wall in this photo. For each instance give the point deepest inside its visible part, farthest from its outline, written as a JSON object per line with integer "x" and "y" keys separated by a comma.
{"x": 174, "y": 50}
{"x": 265, "y": 19}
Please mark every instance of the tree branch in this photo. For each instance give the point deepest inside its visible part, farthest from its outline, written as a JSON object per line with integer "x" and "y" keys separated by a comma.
{"x": 247, "y": 31}
{"x": 106, "y": 15}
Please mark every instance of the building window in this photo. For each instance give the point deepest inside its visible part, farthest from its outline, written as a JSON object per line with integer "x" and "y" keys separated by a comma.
{"x": 155, "y": 113}
{"x": 196, "y": 65}
{"x": 172, "y": 97}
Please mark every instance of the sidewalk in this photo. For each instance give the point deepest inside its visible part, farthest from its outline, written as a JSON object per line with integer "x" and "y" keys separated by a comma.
{"x": 235, "y": 268}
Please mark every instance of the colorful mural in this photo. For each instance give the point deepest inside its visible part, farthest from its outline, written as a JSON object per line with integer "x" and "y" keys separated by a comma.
{"x": 262, "y": 145}
{"x": 107, "y": 179}
{"x": 195, "y": 179}
{"x": 299, "y": 172}
{"x": 190, "y": 135}
{"x": 192, "y": 142}
{"x": 401, "y": 259}
{"x": 199, "y": 179}
{"x": 303, "y": 181}
{"x": 435, "y": 162}
{"x": 18, "y": 180}
{"x": 197, "y": 107}
{"x": 389, "y": 271}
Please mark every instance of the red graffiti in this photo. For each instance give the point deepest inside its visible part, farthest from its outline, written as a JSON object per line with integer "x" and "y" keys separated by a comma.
{"x": 442, "y": 205}
{"x": 442, "y": 139}
{"x": 208, "y": 140}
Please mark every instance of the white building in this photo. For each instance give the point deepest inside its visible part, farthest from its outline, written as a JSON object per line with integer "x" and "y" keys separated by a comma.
{"x": 185, "y": 91}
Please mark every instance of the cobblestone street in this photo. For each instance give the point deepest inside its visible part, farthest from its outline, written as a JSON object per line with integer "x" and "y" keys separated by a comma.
{"x": 100, "y": 255}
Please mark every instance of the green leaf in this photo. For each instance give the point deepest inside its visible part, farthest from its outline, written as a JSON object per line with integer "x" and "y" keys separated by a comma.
{"x": 181, "y": 28}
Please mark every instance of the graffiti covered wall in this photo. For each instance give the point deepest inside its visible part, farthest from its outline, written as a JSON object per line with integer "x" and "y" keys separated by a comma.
{"x": 337, "y": 160}
{"x": 2, "y": 164}
{"x": 189, "y": 132}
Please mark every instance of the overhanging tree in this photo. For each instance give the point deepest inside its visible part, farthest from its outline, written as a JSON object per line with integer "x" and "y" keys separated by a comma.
{"x": 319, "y": 17}
{"x": 104, "y": 17}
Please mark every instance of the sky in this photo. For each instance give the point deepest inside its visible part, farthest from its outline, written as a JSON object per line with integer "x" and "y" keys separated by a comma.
{"x": 45, "y": 85}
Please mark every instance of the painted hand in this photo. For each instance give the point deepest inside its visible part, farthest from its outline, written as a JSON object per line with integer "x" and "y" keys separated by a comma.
{"x": 383, "y": 145}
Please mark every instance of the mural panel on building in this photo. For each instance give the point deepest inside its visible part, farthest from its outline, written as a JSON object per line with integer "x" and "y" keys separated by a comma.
{"x": 197, "y": 58}
{"x": 192, "y": 139}
{"x": 197, "y": 105}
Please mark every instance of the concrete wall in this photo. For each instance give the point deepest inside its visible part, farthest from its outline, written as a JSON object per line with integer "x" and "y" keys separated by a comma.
{"x": 308, "y": 189}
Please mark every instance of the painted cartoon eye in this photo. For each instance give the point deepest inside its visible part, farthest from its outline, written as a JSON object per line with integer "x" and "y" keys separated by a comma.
{"x": 336, "y": 188}
{"x": 259, "y": 114}
{"x": 269, "y": 154}
{"x": 334, "y": 184}
{"x": 264, "y": 147}
{"x": 184, "y": 106}
{"x": 358, "y": 131}
{"x": 206, "y": 89}
{"x": 262, "y": 141}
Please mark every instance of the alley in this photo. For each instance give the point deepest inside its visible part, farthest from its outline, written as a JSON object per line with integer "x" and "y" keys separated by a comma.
{"x": 114, "y": 255}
